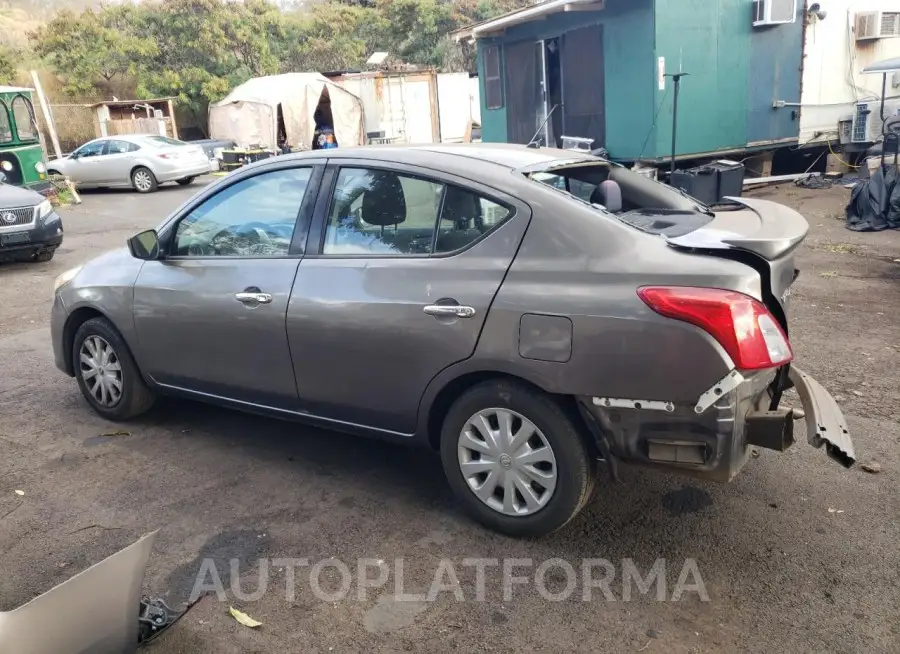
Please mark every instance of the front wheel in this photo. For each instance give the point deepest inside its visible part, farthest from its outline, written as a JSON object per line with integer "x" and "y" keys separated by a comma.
{"x": 107, "y": 374}
{"x": 42, "y": 256}
{"x": 187, "y": 181}
{"x": 143, "y": 180}
{"x": 516, "y": 459}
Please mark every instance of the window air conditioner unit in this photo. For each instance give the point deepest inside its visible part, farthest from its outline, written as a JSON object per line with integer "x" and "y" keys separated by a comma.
{"x": 867, "y": 123}
{"x": 871, "y": 25}
{"x": 774, "y": 12}
{"x": 859, "y": 133}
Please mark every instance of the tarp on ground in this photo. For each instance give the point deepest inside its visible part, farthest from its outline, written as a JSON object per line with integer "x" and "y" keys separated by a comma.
{"x": 875, "y": 203}
{"x": 249, "y": 114}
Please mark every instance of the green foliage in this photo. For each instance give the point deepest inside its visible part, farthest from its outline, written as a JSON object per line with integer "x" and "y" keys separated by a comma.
{"x": 8, "y": 60}
{"x": 93, "y": 48}
{"x": 197, "y": 50}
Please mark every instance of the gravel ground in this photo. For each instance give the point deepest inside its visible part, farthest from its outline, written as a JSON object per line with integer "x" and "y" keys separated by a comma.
{"x": 796, "y": 554}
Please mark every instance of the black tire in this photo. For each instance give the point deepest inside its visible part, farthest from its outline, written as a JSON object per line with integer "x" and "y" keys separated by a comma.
{"x": 575, "y": 467}
{"x": 53, "y": 173}
{"x": 141, "y": 173}
{"x": 42, "y": 256}
{"x": 136, "y": 398}
{"x": 187, "y": 181}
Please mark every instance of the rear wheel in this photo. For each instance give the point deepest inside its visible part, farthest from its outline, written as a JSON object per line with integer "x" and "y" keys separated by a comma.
{"x": 186, "y": 181}
{"x": 516, "y": 459}
{"x": 106, "y": 372}
{"x": 143, "y": 180}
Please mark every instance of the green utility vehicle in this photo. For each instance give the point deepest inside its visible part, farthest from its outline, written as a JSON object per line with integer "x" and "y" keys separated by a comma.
{"x": 21, "y": 154}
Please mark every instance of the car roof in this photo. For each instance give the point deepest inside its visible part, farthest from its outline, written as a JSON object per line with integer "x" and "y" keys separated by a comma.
{"x": 506, "y": 155}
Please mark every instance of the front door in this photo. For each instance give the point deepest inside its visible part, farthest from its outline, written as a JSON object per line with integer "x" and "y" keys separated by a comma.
{"x": 85, "y": 163}
{"x": 408, "y": 266}
{"x": 210, "y": 316}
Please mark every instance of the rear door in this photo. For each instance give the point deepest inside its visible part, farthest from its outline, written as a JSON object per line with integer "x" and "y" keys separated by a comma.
{"x": 405, "y": 268}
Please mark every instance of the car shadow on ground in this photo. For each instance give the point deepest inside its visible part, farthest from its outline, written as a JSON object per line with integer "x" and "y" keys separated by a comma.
{"x": 373, "y": 474}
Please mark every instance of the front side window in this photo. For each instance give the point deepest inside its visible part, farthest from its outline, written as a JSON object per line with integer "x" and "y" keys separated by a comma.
{"x": 5, "y": 127}
{"x": 90, "y": 150}
{"x": 23, "y": 113}
{"x": 254, "y": 217}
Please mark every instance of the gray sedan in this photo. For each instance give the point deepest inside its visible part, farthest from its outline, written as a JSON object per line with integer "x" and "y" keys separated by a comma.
{"x": 141, "y": 162}
{"x": 526, "y": 312}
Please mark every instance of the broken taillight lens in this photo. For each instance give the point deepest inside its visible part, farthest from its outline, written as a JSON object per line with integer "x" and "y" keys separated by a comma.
{"x": 742, "y": 325}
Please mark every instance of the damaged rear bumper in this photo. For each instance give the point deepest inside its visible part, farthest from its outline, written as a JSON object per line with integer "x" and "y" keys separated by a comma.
{"x": 712, "y": 439}
{"x": 825, "y": 424}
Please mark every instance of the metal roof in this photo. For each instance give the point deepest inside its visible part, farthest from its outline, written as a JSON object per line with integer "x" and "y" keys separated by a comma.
{"x": 884, "y": 66}
{"x": 128, "y": 103}
{"x": 519, "y": 16}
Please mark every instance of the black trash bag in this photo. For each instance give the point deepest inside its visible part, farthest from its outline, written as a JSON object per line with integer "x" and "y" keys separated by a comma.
{"x": 875, "y": 203}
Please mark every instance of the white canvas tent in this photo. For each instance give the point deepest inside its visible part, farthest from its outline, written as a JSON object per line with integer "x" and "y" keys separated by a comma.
{"x": 249, "y": 114}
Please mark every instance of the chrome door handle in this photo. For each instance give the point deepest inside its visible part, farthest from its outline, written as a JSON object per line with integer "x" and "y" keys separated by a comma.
{"x": 257, "y": 298}
{"x": 449, "y": 311}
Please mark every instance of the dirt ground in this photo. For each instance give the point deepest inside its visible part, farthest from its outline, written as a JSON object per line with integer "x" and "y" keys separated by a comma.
{"x": 796, "y": 554}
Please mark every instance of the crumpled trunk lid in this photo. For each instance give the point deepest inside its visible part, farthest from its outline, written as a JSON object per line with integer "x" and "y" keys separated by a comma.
{"x": 760, "y": 233}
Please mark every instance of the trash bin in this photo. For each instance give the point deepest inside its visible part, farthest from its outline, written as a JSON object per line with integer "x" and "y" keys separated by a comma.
{"x": 700, "y": 182}
{"x": 730, "y": 178}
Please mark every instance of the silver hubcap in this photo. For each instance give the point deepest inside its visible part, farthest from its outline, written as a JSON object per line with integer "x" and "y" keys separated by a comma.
{"x": 101, "y": 371}
{"x": 142, "y": 180}
{"x": 507, "y": 462}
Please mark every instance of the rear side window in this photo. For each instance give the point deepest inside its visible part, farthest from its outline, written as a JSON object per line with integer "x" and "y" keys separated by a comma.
{"x": 120, "y": 147}
{"x": 380, "y": 212}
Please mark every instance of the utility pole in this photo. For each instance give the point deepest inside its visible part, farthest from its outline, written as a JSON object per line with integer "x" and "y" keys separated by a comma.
{"x": 676, "y": 78}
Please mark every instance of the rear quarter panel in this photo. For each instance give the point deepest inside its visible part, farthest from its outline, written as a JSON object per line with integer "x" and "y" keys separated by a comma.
{"x": 579, "y": 263}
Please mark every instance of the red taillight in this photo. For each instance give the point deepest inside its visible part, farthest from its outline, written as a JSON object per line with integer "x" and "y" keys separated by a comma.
{"x": 742, "y": 325}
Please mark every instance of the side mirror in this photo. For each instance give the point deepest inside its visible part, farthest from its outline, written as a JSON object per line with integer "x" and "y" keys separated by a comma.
{"x": 145, "y": 245}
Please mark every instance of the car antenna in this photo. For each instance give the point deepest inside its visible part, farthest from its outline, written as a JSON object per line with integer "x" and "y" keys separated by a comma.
{"x": 533, "y": 143}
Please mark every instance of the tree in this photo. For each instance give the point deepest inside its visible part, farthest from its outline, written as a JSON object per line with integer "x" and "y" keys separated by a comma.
{"x": 8, "y": 68}
{"x": 92, "y": 48}
{"x": 331, "y": 36}
{"x": 206, "y": 47}
{"x": 412, "y": 30}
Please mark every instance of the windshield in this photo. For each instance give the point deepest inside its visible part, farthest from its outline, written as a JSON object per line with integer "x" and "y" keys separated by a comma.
{"x": 161, "y": 141}
{"x": 632, "y": 198}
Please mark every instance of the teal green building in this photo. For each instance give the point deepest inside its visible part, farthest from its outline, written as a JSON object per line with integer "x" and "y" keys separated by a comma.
{"x": 602, "y": 64}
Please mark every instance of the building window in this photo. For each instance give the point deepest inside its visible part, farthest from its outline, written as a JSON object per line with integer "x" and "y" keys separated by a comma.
{"x": 493, "y": 82}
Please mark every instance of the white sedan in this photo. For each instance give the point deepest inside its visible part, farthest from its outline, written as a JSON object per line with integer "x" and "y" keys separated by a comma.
{"x": 142, "y": 162}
